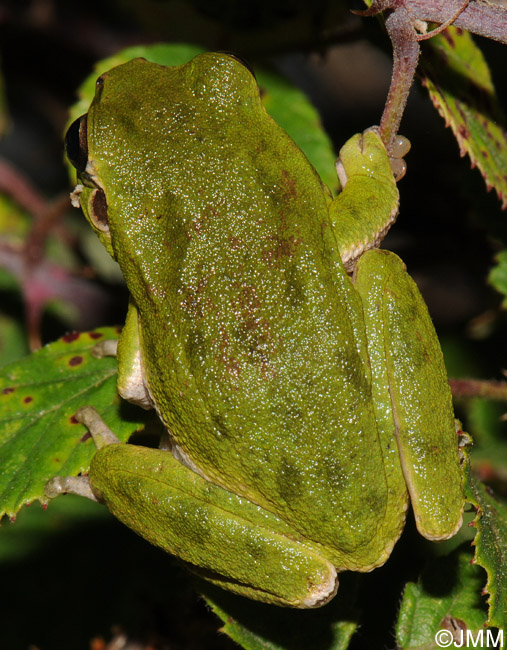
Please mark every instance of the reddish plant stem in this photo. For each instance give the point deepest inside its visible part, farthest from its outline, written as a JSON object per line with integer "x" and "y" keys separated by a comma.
{"x": 405, "y": 56}
{"x": 402, "y": 16}
{"x": 479, "y": 17}
{"x": 15, "y": 184}
{"x": 479, "y": 388}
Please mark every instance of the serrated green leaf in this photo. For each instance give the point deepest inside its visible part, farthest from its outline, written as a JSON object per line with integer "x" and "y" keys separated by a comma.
{"x": 256, "y": 626}
{"x": 459, "y": 83}
{"x": 39, "y": 437}
{"x": 13, "y": 340}
{"x": 284, "y": 102}
{"x": 498, "y": 276}
{"x": 487, "y": 426}
{"x": 446, "y": 597}
{"x": 36, "y": 526}
{"x": 491, "y": 546}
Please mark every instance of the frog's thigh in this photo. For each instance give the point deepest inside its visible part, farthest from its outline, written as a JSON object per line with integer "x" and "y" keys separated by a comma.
{"x": 419, "y": 391}
{"x": 131, "y": 384}
{"x": 230, "y": 541}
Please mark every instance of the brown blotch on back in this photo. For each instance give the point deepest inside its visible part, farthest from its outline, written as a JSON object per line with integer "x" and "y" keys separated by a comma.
{"x": 282, "y": 248}
{"x": 289, "y": 184}
{"x": 193, "y": 302}
{"x": 76, "y": 361}
{"x": 235, "y": 243}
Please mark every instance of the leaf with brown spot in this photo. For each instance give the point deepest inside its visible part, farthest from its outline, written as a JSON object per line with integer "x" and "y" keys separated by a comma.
{"x": 39, "y": 436}
{"x": 71, "y": 337}
{"x": 459, "y": 83}
{"x": 446, "y": 597}
{"x": 490, "y": 545}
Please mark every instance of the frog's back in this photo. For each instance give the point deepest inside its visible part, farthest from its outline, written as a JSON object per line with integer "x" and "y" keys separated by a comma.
{"x": 250, "y": 327}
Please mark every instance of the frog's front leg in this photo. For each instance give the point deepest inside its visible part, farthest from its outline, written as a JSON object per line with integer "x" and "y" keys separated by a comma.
{"x": 131, "y": 380}
{"x": 224, "y": 538}
{"x": 102, "y": 436}
{"x": 127, "y": 350}
{"x": 368, "y": 204}
{"x": 410, "y": 380}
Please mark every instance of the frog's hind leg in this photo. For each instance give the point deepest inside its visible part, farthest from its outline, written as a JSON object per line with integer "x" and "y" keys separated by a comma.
{"x": 407, "y": 360}
{"x": 226, "y": 539}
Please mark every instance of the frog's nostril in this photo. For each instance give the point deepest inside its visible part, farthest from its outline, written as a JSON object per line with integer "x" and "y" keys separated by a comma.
{"x": 76, "y": 143}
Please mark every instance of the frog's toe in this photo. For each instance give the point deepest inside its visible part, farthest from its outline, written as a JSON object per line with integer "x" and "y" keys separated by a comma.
{"x": 322, "y": 593}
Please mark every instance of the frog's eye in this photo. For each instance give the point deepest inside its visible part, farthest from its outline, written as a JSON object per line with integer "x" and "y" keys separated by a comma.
{"x": 243, "y": 62}
{"x": 76, "y": 143}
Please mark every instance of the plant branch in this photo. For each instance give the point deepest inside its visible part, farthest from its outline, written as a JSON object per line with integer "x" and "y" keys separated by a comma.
{"x": 403, "y": 19}
{"x": 479, "y": 17}
{"x": 406, "y": 49}
{"x": 479, "y": 388}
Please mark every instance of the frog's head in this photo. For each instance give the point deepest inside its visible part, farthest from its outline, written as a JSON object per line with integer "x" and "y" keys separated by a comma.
{"x": 139, "y": 130}
{"x": 88, "y": 193}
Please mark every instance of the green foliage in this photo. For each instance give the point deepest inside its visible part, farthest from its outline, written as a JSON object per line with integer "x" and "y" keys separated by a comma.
{"x": 491, "y": 546}
{"x": 498, "y": 275}
{"x": 260, "y": 627}
{"x": 460, "y": 86}
{"x": 40, "y": 393}
{"x": 448, "y": 589}
{"x": 39, "y": 436}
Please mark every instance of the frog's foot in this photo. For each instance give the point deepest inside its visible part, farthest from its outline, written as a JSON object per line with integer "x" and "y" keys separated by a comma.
{"x": 397, "y": 151}
{"x": 225, "y": 538}
{"x": 79, "y": 485}
{"x": 106, "y": 348}
{"x": 367, "y": 206}
{"x": 100, "y": 432}
{"x": 316, "y": 596}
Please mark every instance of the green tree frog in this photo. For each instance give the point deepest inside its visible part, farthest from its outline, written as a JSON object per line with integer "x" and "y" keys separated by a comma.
{"x": 294, "y": 365}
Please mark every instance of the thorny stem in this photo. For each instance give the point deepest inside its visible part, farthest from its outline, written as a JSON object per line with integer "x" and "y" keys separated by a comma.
{"x": 402, "y": 19}
{"x": 26, "y": 262}
{"x": 448, "y": 22}
{"x": 406, "y": 50}
{"x": 479, "y": 16}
